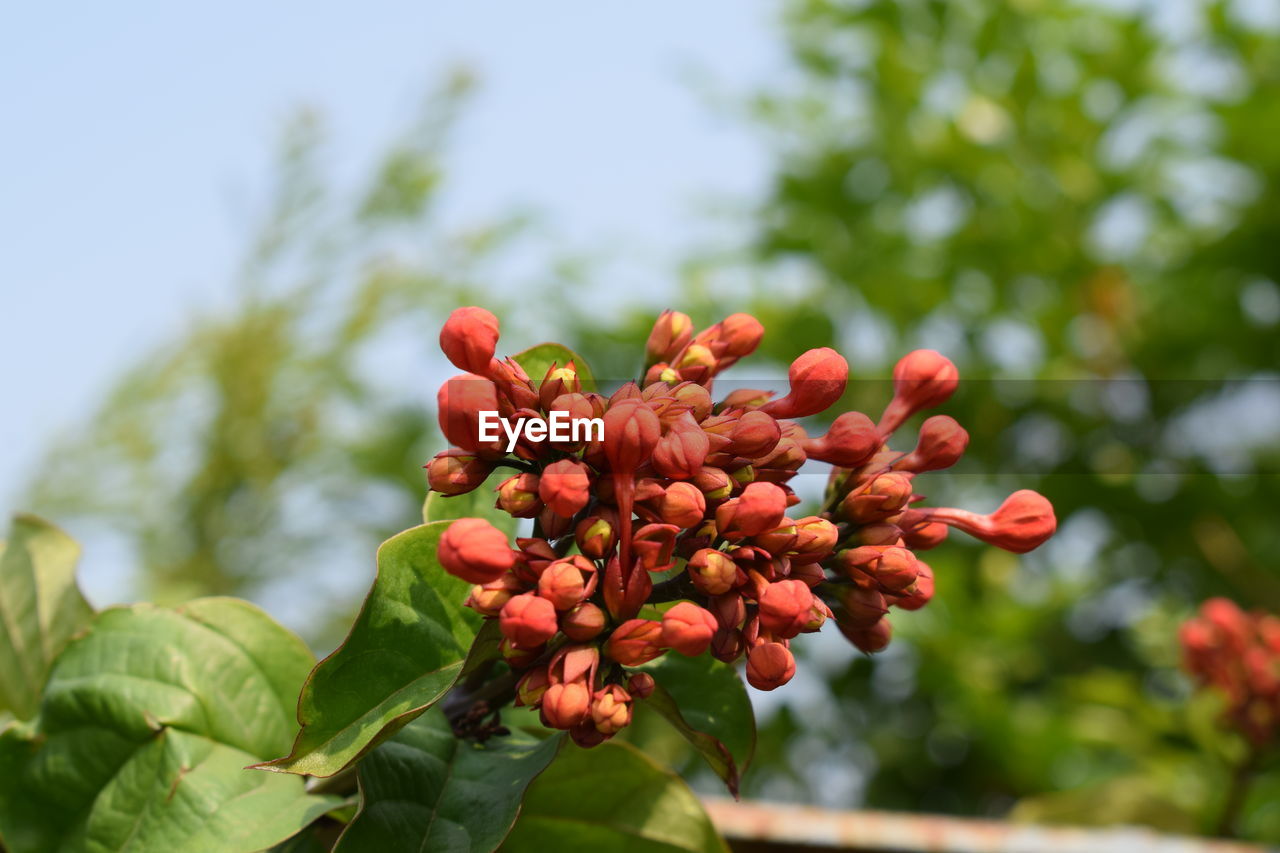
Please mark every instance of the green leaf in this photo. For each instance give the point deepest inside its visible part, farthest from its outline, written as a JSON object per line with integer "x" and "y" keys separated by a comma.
{"x": 427, "y": 790}
{"x": 147, "y": 723}
{"x": 612, "y": 797}
{"x": 40, "y": 608}
{"x": 705, "y": 701}
{"x": 404, "y": 652}
{"x": 477, "y": 503}
{"x": 536, "y": 361}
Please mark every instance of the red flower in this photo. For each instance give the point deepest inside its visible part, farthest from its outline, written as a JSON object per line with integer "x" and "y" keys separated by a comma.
{"x": 469, "y": 338}
{"x": 817, "y": 379}
{"x": 1022, "y": 523}
{"x": 769, "y": 666}
{"x": 922, "y": 379}
{"x": 565, "y": 487}
{"x": 528, "y": 621}
{"x": 635, "y": 641}
{"x": 475, "y": 550}
{"x": 784, "y": 608}
{"x": 456, "y": 471}
{"x": 760, "y": 507}
{"x": 688, "y": 628}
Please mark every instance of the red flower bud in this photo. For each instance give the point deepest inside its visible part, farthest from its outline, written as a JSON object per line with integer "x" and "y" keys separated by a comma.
{"x": 634, "y": 642}
{"x": 728, "y": 644}
{"x": 919, "y": 533}
{"x": 942, "y": 442}
{"x": 760, "y": 507}
{"x": 488, "y": 599}
{"x": 583, "y": 622}
{"x": 475, "y": 550}
{"x": 817, "y": 379}
{"x": 695, "y": 397}
{"x": 728, "y": 609}
{"x": 456, "y": 472}
{"x": 596, "y": 534}
{"x": 696, "y": 364}
{"x": 679, "y": 454}
{"x": 862, "y": 607}
{"x": 575, "y": 663}
{"x": 769, "y": 666}
{"x": 713, "y": 572}
{"x": 871, "y": 638}
{"x": 518, "y": 496}
{"x": 883, "y": 498}
{"x": 518, "y": 657}
{"x": 714, "y": 483}
{"x": 1022, "y": 523}
{"x": 779, "y": 540}
{"x": 567, "y": 582}
{"x": 754, "y": 435}
{"x": 682, "y": 505}
{"x": 738, "y": 336}
{"x": 851, "y": 441}
{"x": 921, "y": 593}
{"x": 922, "y": 379}
{"x": 566, "y": 705}
{"x": 688, "y": 628}
{"x": 459, "y": 404}
{"x": 670, "y": 334}
{"x": 653, "y": 546}
{"x": 565, "y": 486}
{"x": 611, "y": 710}
{"x": 815, "y": 540}
{"x": 631, "y": 432}
{"x": 784, "y": 608}
{"x": 640, "y": 685}
{"x": 558, "y": 381}
{"x": 746, "y": 398}
{"x": 533, "y": 684}
{"x": 528, "y": 621}
{"x": 553, "y": 524}
{"x": 469, "y": 338}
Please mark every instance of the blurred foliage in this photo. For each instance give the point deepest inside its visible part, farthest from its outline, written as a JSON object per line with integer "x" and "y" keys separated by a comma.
{"x": 1078, "y": 203}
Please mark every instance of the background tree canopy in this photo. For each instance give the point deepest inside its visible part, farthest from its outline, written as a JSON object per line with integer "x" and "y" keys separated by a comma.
{"x": 1075, "y": 202}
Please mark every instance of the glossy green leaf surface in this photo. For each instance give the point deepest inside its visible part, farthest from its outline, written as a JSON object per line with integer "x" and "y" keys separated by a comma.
{"x": 40, "y": 608}
{"x": 144, "y": 732}
{"x": 705, "y": 701}
{"x": 611, "y": 798}
{"x": 425, "y": 789}
{"x": 404, "y": 652}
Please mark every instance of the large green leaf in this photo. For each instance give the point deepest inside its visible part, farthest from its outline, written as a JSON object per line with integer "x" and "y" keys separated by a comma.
{"x": 147, "y": 723}
{"x": 612, "y": 798}
{"x": 705, "y": 700}
{"x": 404, "y": 652}
{"x": 427, "y": 790}
{"x": 40, "y": 608}
{"x": 537, "y": 360}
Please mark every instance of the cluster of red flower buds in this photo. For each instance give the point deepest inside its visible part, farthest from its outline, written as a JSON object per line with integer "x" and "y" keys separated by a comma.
{"x": 1239, "y": 654}
{"x": 693, "y": 492}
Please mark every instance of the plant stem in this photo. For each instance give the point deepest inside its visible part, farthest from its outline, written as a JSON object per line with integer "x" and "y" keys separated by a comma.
{"x": 1241, "y": 780}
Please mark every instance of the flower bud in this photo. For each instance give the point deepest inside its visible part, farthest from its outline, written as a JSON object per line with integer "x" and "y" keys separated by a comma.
{"x": 883, "y": 498}
{"x": 640, "y": 685}
{"x": 850, "y": 442}
{"x": 696, "y": 397}
{"x": 680, "y": 453}
{"x": 535, "y": 556}
{"x": 870, "y": 639}
{"x": 728, "y": 609}
{"x": 754, "y": 435}
{"x": 862, "y": 607}
{"x": 631, "y": 432}
{"x": 518, "y": 657}
{"x": 528, "y": 620}
{"x": 566, "y": 705}
{"x": 611, "y": 709}
{"x": 713, "y": 572}
{"x": 739, "y": 335}
{"x": 714, "y": 483}
{"x": 919, "y": 532}
{"x": 456, "y": 472}
{"x": 760, "y": 507}
{"x": 688, "y": 628}
{"x": 921, "y": 592}
{"x": 553, "y": 524}
{"x": 488, "y": 599}
{"x": 634, "y": 642}
{"x": 769, "y": 666}
{"x": 533, "y": 684}
{"x": 469, "y": 338}
{"x": 1022, "y": 523}
{"x": 682, "y": 505}
{"x": 475, "y": 550}
{"x": 596, "y": 535}
{"x": 518, "y": 496}
{"x": 653, "y": 546}
{"x": 922, "y": 379}
{"x": 942, "y": 442}
{"x": 558, "y": 381}
{"x": 565, "y": 487}
{"x": 459, "y": 403}
{"x": 574, "y": 663}
{"x": 697, "y": 363}
{"x": 784, "y": 608}
{"x": 583, "y": 622}
{"x": 670, "y": 334}
{"x": 567, "y": 582}
{"x": 728, "y": 644}
{"x": 746, "y": 398}
{"x": 816, "y": 538}
{"x": 817, "y": 380}
{"x": 779, "y": 540}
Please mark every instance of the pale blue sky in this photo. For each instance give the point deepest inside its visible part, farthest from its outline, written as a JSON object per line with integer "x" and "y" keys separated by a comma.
{"x": 137, "y": 139}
